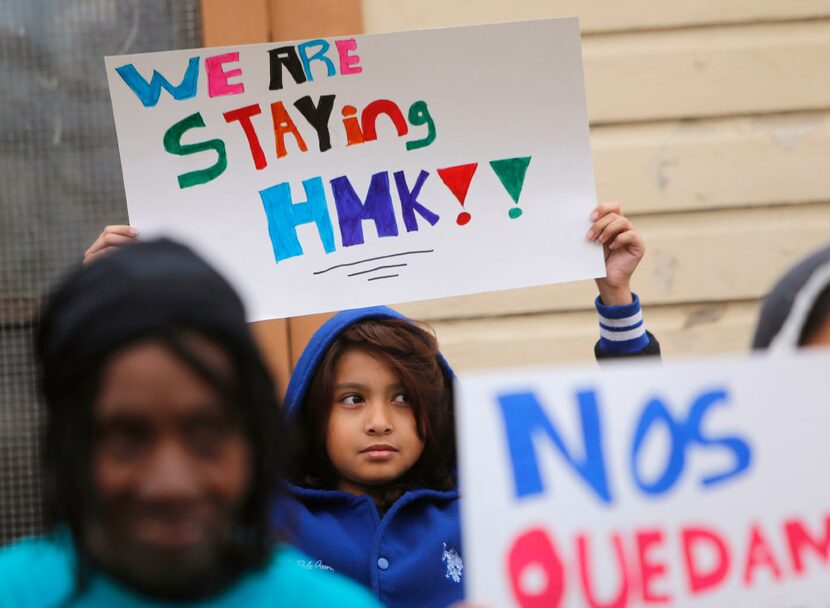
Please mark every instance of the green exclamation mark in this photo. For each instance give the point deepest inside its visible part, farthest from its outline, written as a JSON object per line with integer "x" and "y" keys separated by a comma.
{"x": 511, "y": 172}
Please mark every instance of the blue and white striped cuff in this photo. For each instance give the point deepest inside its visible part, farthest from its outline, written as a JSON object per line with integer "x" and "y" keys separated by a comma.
{"x": 621, "y": 328}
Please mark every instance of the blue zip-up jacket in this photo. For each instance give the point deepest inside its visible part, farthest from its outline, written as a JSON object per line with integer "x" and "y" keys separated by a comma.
{"x": 409, "y": 557}
{"x": 412, "y": 556}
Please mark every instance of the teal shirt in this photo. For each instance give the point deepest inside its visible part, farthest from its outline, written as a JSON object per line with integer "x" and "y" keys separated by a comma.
{"x": 40, "y": 573}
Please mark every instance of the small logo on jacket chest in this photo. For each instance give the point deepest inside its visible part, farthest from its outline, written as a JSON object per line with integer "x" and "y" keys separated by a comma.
{"x": 455, "y": 565}
{"x": 312, "y": 565}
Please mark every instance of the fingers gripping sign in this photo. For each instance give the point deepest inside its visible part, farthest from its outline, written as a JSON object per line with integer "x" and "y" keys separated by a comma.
{"x": 623, "y": 248}
{"x": 110, "y": 239}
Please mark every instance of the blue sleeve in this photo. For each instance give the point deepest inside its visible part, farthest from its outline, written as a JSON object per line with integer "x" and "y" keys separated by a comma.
{"x": 622, "y": 331}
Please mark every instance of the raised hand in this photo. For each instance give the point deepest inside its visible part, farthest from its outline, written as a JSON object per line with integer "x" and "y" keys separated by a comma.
{"x": 623, "y": 248}
{"x": 110, "y": 239}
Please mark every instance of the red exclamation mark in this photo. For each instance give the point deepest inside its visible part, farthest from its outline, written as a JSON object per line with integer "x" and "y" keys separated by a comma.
{"x": 458, "y": 181}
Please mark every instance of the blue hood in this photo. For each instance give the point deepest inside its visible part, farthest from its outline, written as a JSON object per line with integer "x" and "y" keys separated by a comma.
{"x": 319, "y": 344}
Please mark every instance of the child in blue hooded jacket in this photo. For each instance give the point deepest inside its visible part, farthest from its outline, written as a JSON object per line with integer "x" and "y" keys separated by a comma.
{"x": 376, "y": 494}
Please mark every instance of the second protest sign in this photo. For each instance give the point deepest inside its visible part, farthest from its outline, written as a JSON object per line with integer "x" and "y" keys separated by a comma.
{"x": 693, "y": 484}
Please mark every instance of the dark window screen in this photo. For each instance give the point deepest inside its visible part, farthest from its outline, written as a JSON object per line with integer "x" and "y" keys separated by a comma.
{"x": 60, "y": 184}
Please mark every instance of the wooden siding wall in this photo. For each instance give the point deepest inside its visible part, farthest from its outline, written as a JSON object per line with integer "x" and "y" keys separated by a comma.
{"x": 710, "y": 122}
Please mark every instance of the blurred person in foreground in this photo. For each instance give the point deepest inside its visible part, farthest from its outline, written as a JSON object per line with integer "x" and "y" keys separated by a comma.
{"x": 796, "y": 312}
{"x": 162, "y": 448}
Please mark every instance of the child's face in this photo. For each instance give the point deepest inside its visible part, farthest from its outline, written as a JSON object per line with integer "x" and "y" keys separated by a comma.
{"x": 372, "y": 436}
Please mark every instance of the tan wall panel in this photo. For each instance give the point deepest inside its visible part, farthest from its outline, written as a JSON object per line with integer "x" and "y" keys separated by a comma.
{"x": 293, "y": 20}
{"x": 712, "y": 72}
{"x": 226, "y": 22}
{"x": 595, "y": 15}
{"x": 679, "y": 166}
{"x": 302, "y": 328}
{"x": 691, "y": 257}
{"x": 564, "y": 338}
{"x": 245, "y": 21}
{"x": 272, "y": 339}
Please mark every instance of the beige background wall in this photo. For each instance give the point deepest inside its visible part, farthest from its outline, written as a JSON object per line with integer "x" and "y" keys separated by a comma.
{"x": 710, "y": 122}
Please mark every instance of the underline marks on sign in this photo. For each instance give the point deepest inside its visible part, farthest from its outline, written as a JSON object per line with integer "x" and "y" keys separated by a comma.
{"x": 386, "y": 276}
{"x": 376, "y": 268}
{"x": 354, "y": 274}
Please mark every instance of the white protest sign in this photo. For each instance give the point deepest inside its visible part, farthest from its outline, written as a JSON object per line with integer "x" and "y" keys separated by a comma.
{"x": 688, "y": 484}
{"x": 343, "y": 172}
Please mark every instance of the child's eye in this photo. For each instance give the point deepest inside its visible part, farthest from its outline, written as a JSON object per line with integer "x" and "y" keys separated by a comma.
{"x": 401, "y": 398}
{"x": 351, "y": 399}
